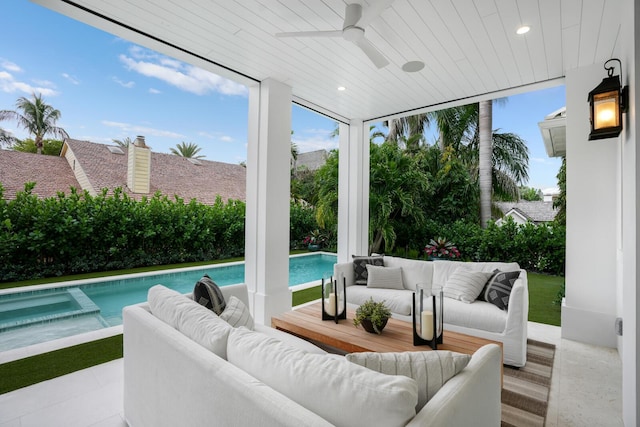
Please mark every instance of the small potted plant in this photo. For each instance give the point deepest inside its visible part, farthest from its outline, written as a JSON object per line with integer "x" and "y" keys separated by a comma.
{"x": 372, "y": 315}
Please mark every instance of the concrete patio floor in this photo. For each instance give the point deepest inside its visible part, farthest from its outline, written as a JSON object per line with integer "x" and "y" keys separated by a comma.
{"x": 585, "y": 391}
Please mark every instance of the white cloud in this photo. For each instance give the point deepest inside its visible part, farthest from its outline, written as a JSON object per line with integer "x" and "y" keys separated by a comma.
{"x": 314, "y": 139}
{"x": 217, "y": 135}
{"x": 71, "y": 79}
{"x": 143, "y": 130}
{"x": 10, "y": 66}
{"x": 183, "y": 76}
{"x": 10, "y": 85}
{"x": 154, "y": 91}
{"x": 226, "y": 138}
{"x": 128, "y": 85}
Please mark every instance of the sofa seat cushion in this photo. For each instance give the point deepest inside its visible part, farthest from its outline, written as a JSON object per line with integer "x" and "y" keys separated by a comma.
{"x": 289, "y": 339}
{"x": 193, "y": 320}
{"x": 397, "y": 300}
{"x": 339, "y": 391}
{"x": 430, "y": 369}
{"x": 477, "y": 315}
{"x": 413, "y": 271}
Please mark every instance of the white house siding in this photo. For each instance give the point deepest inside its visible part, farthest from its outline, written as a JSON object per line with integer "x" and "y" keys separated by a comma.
{"x": 79, "y": 173}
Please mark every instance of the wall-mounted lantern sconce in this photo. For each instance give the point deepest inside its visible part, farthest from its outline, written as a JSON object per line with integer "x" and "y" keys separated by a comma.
{"x": 606, "y": 104}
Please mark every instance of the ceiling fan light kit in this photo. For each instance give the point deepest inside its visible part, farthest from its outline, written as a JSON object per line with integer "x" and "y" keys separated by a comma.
{"x": 353, "y": 30}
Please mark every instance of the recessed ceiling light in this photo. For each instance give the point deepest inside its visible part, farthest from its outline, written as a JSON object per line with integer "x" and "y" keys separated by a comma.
{"x": 341, "y": 88}
{"x": 413, "y": 66}
{"x": 523, "y": 30}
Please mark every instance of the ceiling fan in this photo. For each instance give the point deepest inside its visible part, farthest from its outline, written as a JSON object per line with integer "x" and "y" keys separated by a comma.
{"x": 356, "y": 18}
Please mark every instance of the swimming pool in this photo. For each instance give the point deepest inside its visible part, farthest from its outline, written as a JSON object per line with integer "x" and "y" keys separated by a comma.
{"x": 65, "y": 309}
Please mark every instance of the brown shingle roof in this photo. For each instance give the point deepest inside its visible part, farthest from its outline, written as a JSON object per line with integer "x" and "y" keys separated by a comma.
{"x": 50, "y": 173}
{"x": 170, "y": 174}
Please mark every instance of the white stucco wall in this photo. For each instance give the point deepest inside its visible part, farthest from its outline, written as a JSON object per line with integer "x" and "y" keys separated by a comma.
{"x": 629, "y": 297}
{"x": 589, "y": 311}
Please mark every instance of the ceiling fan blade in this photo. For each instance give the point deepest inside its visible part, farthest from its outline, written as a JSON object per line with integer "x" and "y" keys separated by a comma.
{"x": 371, "y": 12}
{"x": 352, "y": 15}
{"x": 374, "y": 54}
{"x": 337, "y": 33}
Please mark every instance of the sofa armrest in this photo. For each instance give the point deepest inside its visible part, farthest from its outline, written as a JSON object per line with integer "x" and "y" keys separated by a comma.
{"x": 471, "y": 398}
{"x": 345, "y": 270}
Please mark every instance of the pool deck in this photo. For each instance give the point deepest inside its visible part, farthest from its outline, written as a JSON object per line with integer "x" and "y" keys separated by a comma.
{"x": 586, "y": 389}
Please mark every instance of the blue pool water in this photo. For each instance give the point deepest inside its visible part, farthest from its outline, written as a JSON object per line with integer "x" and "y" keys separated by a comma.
{"x": 41, "y": 315}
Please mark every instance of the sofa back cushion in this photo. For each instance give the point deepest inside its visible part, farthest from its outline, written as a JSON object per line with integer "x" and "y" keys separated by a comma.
{"x": 339, "y": 391}
{"x": 430, "y": 369}
{"x": 413, "y": 271}
{"x": 193, "y": 320}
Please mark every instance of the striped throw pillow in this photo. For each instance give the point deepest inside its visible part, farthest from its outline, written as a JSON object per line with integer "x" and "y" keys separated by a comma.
{"x": 465, "y": 285}
{"x": 237, "y": 314}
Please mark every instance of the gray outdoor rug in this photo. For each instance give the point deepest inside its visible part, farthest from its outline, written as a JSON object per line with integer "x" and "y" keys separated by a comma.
{"x": 525, "y": 392}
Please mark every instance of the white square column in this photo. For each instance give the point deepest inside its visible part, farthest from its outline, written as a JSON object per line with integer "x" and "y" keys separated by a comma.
{"x": 353, "y": 191}
{"x": 268, "y": 188}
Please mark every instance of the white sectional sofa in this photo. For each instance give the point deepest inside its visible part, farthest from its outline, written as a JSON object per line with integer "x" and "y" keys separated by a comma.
{"x": 479, "y": 318}
{"x": 192, "y": 369}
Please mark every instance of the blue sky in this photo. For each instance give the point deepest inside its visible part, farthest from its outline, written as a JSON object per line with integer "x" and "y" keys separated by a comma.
{"x": 108, "y": 88}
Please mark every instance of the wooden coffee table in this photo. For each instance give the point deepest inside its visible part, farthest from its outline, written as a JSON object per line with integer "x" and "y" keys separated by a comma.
{"x": 306, "y": 322}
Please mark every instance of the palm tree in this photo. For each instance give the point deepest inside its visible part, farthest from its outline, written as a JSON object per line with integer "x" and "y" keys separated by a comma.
{"x": 188, "y": 150}
{"x": 37, "y": 117}
{"x": 6, "y": 138}
{"x": 123, "y": 142}
{"x": 485, "y": 154}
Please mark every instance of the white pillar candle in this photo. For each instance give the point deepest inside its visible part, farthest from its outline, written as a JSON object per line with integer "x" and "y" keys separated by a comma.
{"x": 427, "y": 325}
{"x": 330, "y": 307}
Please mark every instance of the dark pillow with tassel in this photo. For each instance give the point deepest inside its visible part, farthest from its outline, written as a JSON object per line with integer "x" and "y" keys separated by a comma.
{"x": 207, "y": 293}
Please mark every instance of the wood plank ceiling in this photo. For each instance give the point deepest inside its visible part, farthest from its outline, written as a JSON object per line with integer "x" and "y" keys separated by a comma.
{"x": 469, "y": 47}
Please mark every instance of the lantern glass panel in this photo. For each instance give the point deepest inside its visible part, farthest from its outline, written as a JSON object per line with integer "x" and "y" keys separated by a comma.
{"x": 605, "y": 106}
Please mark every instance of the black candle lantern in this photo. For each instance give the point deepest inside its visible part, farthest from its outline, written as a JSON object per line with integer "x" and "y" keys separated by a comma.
{"x": 427, "y": 316}
{"x": 607, "y": 102}
{"x": 334, "y": 301}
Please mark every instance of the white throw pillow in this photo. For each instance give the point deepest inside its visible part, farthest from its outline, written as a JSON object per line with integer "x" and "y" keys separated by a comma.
{"x": 195, "y": 321}
{"x": 167, "y": 304}
{"x": 430, "y": 369}
{"x": 465, "y": 285}
{"x": 237, "y": 314}
{"x": 341, "y": 392}
{"x": 384, "y": 277}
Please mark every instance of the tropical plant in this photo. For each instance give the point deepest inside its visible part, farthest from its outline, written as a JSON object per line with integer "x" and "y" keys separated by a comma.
{"x": 561, "y": 201}
{"x": 530, "y": 194}
{"x": 316, "y": 237}
{"x": 125, "y": 142}
{"x": 376, "y": 312}
{"x": 397, "y": 186}
{"x": 37, "y": 117}
{"x": 50, "y": 147}
{"x": 441, "y": 248}
{"x": 6, "y": 138}
{"x": 188, "y": 150}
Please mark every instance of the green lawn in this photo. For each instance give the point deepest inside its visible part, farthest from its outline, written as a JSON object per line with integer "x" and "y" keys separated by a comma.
{"x": 543, "y": 290}
{"x": 24, "y": 372}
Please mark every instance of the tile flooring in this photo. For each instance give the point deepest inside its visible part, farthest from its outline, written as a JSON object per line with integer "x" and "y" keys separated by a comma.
{"x": 585, "y": 391}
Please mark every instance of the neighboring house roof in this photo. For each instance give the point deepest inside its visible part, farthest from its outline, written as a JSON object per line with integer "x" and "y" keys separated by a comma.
{"x": 50, "y": 173}
{"x": 537, "y": 212}
{"x": 170, "y": 174}
{"x": 312, "y": 160}
{"x": 92, "y": 167}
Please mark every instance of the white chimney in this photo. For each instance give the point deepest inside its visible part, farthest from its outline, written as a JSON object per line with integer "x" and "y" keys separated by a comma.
{"x": 139, "y": 166}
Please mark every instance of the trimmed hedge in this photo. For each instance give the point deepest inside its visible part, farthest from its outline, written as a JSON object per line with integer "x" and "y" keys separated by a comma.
{"x": 538, "y": 248}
